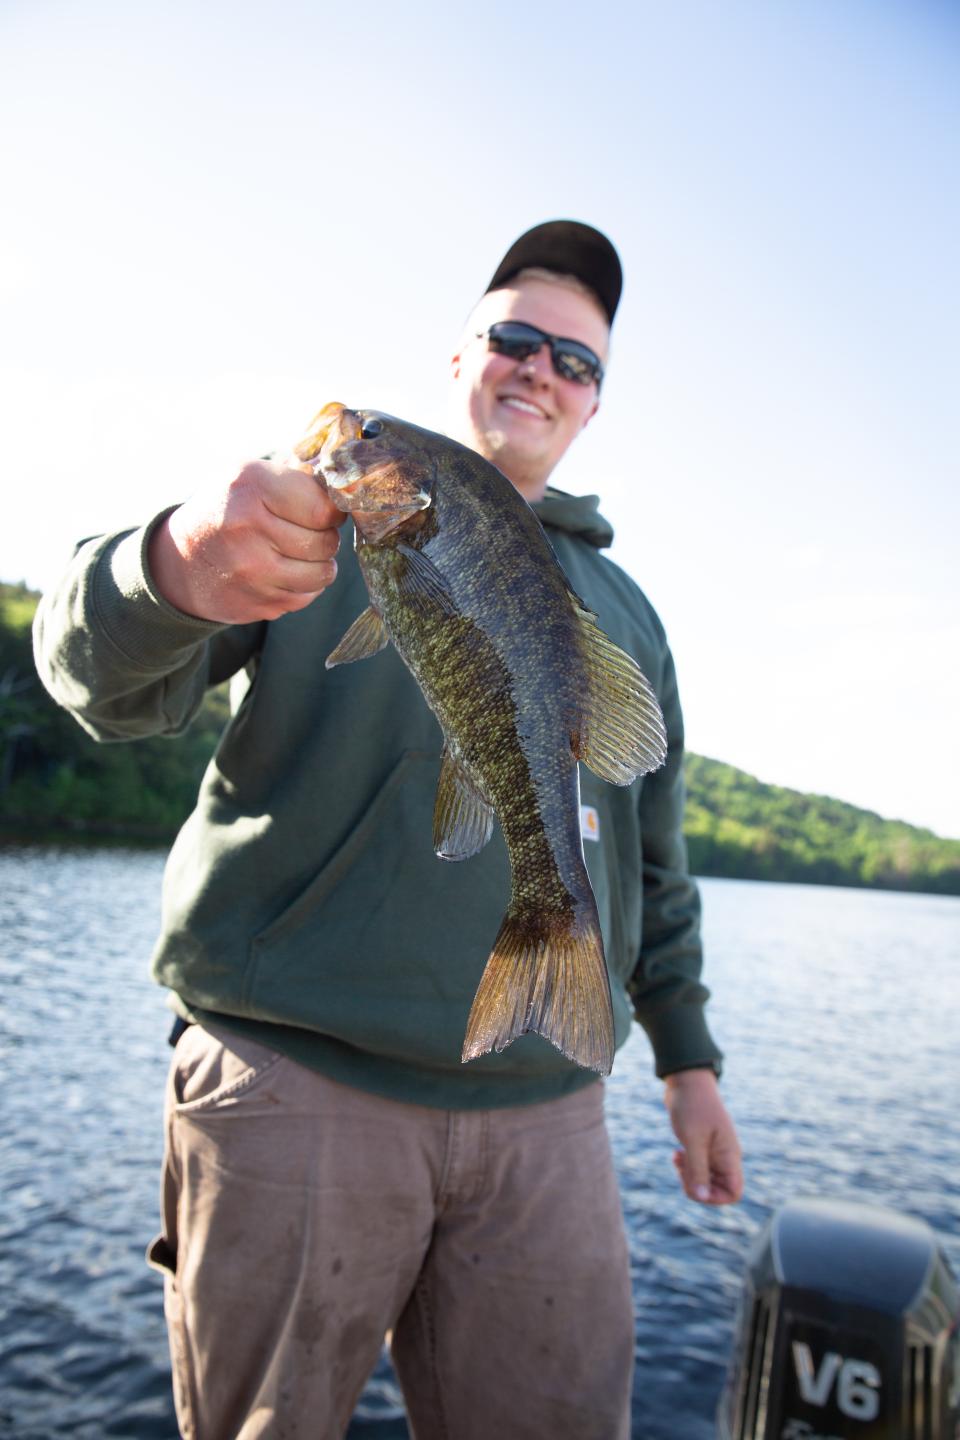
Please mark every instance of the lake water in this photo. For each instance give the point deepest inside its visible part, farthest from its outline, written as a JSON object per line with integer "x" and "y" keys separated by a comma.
{"x": 838, "y": 1011}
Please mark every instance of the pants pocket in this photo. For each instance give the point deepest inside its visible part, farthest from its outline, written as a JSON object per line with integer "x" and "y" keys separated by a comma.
{"x": 213, "y": 1068}
{"x": 162, "y": 1256}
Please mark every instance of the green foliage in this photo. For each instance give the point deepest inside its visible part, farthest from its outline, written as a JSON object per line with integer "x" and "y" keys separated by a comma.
{"x": 55, "y": 779}
{"x": 739, "y": 827}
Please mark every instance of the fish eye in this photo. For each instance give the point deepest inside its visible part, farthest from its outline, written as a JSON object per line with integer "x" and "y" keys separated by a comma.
{"x": 370, "y": 429}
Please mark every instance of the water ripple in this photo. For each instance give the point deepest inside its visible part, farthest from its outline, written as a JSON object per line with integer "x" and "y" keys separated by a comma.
{"x": 841, "y": 1074}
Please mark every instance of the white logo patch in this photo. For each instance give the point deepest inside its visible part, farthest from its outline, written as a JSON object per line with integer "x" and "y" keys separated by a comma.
{"x": 589, "y": 823}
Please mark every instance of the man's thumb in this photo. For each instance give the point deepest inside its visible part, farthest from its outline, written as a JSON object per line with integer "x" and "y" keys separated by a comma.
{"x": 694, "y": 1167}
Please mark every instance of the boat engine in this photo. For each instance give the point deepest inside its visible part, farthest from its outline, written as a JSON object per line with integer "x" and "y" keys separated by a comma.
{"x": 849, "y": 1327}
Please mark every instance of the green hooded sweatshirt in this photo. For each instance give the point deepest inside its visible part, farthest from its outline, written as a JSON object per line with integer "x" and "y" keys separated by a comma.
{"x": 302, "y": 900}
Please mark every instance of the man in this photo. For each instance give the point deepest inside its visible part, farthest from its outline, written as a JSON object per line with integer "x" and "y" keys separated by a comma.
{"x": 332, "y": 1171}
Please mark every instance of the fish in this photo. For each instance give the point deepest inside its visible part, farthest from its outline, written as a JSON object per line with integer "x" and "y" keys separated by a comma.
{"x": 463, "y": 581}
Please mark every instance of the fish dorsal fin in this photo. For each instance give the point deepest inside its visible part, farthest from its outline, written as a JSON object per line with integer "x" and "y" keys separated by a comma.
{"x": 462, "y": 818}
{"x": 622, "y": 734}
{"x": 421, "y": 580}
{"x": 366, "y": 636}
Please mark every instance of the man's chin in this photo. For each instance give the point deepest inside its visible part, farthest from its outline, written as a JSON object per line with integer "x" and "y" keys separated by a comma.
{"x": 492, "y": 443}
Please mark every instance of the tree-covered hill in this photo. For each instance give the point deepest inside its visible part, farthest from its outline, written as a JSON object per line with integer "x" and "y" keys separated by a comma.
{"x": 740, "y": 827}
{"x": 55, "y": 780}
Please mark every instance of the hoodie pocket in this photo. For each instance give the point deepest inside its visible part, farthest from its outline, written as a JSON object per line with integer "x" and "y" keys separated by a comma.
{"x": 373, "y": 947}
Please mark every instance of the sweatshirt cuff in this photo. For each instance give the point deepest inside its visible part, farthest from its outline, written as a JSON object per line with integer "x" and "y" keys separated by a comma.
{"x": 142, "y": 624}
{"x": 680, "y": 1039}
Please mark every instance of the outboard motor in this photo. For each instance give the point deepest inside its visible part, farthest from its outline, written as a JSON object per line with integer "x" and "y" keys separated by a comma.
{"x": 848, "y": 1328}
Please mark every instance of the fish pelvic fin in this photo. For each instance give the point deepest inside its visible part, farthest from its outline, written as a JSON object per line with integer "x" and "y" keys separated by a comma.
{"x": 622, "y": 734}
{"x": 462, "y": 817}
{"x": 366, "y": 636}
{"x": 555, "y": 986}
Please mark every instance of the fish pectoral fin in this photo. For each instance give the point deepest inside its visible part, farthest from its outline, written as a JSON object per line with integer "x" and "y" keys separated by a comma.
{"x": 622, "y": 734}
{"x": 366, "y": 636}
{"x": 421, "y": 580}
{"x": 556, "y": 986}
{"x": 462, "y": 818}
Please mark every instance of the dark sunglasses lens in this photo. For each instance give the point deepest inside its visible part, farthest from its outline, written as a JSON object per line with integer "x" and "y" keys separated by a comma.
{"x": 517, "y": 341}
{"x": 576, "y": 363}
{"x": 570, "y": 359}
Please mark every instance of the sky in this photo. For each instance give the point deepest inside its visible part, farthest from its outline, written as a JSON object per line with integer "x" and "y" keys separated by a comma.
{"x": 218, "y": 218}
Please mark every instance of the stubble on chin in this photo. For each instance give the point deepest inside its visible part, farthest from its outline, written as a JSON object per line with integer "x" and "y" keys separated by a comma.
{"x": 492, "y": 442}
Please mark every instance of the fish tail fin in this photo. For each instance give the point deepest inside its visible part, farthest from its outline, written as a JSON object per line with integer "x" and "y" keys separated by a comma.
{"x": 554, "y": 984}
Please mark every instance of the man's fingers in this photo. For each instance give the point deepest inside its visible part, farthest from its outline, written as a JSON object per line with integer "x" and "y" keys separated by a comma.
{"x": 696, "y": 1188}
{"x": 249, "y": 550}
{"x": 710, "y": 1180}
{"x": 300, "y": 543}
{"x": 298, "y": 578}
{"x": 709, "y": 1164}
{"x": 297, "y": 497}
{"x": 694, "y": 1169}
{"x": 726, "y": 1171}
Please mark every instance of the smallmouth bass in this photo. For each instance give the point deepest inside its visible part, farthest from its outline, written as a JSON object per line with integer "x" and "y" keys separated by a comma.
{"x": 463, "y": 581}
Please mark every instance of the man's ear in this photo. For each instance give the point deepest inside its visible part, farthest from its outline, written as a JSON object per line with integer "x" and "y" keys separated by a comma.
{"x": 591, "y": 413}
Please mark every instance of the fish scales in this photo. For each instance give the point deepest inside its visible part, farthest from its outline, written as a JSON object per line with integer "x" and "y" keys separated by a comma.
{"x": 464, "y": 583}
{"x": 482, "y": 676}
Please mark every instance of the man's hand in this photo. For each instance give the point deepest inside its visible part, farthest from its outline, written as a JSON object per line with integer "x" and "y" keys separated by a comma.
{"x": 254, "y": 549}
{"x": 709, "y": 1163}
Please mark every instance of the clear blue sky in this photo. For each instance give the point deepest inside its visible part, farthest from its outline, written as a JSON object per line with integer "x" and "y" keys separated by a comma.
{"x": 219, "y": 217}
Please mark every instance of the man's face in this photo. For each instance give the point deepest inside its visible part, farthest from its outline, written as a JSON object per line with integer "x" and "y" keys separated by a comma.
{"x": 521, "y": 414}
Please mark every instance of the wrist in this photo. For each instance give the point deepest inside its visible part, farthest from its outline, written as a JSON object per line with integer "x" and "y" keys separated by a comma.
{"x": 694, "y": 1075}
{"x": 169, "y": 571}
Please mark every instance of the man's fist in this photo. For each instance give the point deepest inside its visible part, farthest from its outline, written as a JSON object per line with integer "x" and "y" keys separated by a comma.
{"x": 251, "y": 550}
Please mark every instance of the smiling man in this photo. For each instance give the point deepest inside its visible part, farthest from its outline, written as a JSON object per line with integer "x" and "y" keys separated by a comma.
{"x": 332, "y": 1171}
{"x": 521, "y": 413}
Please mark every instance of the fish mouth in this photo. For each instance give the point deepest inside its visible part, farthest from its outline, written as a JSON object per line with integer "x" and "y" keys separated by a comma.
{"x": 330, "y": 428}
{"x": 326, "y": 449}
{"x": 361, "y": 472}
{"x": 371, "y": 490}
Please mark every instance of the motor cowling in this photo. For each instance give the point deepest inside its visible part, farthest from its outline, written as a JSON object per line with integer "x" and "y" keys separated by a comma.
{"x": 849, "y": 1326}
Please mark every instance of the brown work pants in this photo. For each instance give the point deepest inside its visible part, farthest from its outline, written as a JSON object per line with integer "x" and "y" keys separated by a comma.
{"x": 303, "y": 1219}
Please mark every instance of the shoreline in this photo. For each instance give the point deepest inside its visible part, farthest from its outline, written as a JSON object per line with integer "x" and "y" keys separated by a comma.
{"x": 81, "y": 834}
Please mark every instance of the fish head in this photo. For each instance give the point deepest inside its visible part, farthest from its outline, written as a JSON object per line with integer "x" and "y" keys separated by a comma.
{"x": 372, "y": 465}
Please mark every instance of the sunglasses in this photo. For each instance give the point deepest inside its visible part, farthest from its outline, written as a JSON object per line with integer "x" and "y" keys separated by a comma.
{"x": 518, "y": 341}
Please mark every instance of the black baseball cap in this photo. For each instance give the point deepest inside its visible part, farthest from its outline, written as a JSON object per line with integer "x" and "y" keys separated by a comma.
{"x": 570, "y": 248}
